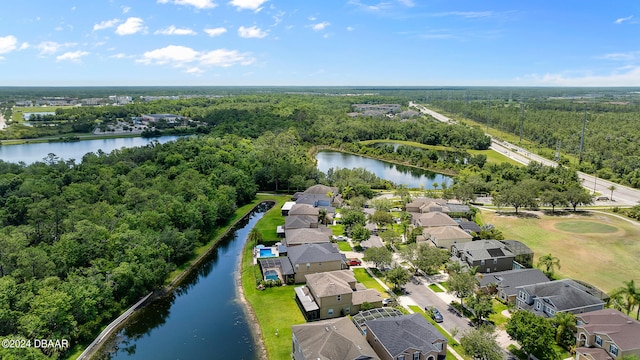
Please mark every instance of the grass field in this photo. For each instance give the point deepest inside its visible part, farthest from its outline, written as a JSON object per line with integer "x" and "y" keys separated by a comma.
{"x": 494, "y": 157}
{"x": 344, "y": 246}
{"x": 18, "y": 111}
{"x": 365, "y": 279}
{"x": 602, "y": 258}
{"x": 435, "y": 288}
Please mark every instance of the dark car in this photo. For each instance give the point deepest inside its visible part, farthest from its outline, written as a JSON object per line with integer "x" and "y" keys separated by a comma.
{"x": 434, "y": 313}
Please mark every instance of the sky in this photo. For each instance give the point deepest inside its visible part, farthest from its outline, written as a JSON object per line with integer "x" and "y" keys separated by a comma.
{"x": 319, "y": 43}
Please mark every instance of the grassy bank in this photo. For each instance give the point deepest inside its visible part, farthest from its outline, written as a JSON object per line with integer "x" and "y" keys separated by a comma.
{"x": 275, "y": 308}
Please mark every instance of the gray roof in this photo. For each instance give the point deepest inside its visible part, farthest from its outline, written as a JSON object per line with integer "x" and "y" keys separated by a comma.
{"x": 622, "y": 329}
{"x": 332, "y": 339}
{"x": 484, "y": 249}
{"x": 457, "y": 208}
{"x": 400, "y": 333}
{"x": 281, "y": 263}
{"x": 307, "y": 236}
{"x": 300, "y": 221}
{"x": 303, "y": 209}
{"x": 508, "y": 280}
{"x": 517, "y": 247}
{"x": 563, "y": 295}
{"x": 313, "y": 253}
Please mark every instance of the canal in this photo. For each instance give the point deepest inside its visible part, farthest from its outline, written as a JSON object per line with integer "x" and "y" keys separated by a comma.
{"x": 202, "y": 318}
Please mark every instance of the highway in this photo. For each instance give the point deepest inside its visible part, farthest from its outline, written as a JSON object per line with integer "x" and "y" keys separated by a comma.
{"x": 622, "y": 195}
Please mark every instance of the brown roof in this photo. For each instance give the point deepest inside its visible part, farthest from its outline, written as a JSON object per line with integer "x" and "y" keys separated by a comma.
{"x": 367, "y": 295}
{"x": 303, "y": 209}
{"x": 622, "y": 329}
{"x": 332, "y": 339}
{"x": 448, "y": 232}
{"x": 435, "y": 219}
{"x": 330, "y": 283}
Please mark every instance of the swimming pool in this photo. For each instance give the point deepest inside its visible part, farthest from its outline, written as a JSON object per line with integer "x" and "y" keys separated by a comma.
{"x": 266, "y": 252}
{"x": 271, "y": 275}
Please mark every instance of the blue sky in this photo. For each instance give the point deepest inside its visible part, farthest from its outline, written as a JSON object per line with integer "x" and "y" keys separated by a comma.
{"x": 320, "y": 42}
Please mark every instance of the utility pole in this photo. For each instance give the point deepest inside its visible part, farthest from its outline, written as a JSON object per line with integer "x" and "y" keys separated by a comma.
{"x": 488, "y": 110}
{"x": 584, "y": 125}
{"x": 521, "y": 119}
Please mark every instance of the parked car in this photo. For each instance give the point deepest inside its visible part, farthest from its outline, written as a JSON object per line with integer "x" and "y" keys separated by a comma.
{"x": 386, "y": 301}
{"x": 434, "y": 313}
{"x": 354, "y": 262}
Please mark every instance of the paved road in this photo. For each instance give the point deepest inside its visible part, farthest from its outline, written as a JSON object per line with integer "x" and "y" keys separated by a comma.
{"x": 622, "y": 195}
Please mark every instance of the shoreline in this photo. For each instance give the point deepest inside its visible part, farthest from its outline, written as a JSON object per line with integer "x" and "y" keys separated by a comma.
{"x": 99, "y": 343}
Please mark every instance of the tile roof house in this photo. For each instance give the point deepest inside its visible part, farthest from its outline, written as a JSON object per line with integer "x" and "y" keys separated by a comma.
{"x": 333, "y": 294}
{"x": 405, "y": 337}
{"x": 425, "y": 205}
{"x": 487, "y": 255}
{"x": 314, "y": 258}
{"x": 300, "y": 222}
{"x": 506, "y": 282}
{"x": 303, "y": 209}
{"x": 330, "y": 340}
{"x": 548, "y": 298}
{"x": 446, "y": 236}
{"x": 293, "y": 237}
{"x": 606, "y": 334}
{"x": 433, "y": 219}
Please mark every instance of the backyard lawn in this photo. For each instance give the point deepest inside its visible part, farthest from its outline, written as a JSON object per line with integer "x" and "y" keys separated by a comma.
{"x": 588, "y": 247}
{"x": 365, "y": 279}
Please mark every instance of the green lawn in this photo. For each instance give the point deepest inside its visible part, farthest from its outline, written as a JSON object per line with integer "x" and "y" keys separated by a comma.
{"x": 268, "y": 305}
{"x": 435, "y": 288}
{"x": 267, "y": 226}
{"x": 365, "y": 279}
{"x": 585, "y": 227}
{"x": 337, "y": 229}
{"x": 604, "y": 260}
{"x": 452, "y": 343}
{"x": 499, "y": 320}
{"x": 344, "y": 246}
{"x": 494, "y": 157}
{"x": 445, "y": 285}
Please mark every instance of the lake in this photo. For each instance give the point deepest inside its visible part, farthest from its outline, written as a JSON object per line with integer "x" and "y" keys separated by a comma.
{"x": 31, "y": 153}
{"x": 202, "y": 318}
{"x": 398, "y": 174}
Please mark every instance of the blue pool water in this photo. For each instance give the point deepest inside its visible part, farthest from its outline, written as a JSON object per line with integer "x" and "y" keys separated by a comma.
{"x": 271, "y": 275}
{"x": 266, "y": 253}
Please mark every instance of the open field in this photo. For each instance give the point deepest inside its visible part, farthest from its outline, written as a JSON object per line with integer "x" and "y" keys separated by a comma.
{"x": 18, "y": 111}
{"x": 602, "y": 258}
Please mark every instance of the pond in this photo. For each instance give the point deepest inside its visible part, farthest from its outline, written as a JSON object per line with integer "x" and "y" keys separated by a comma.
{"x": 398, "y": 174}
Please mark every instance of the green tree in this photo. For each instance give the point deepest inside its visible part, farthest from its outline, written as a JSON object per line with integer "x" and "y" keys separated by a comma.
{"x": 430, "y": 259}
{"x": 612, "y": 188}
{"x": 533, "y": 333}
{"x": 550, "y": 263}
{"x": 390, "y": 236}
{"x": 553, "y": 198}
{"x": 522, "y": 194}
{"x": 381, "y": 218}
{"x": 360, "y": 233}
{"x": 481, "y": 307}
{"x": 255, "y": 237}
{"x": 630, "y": 295}
{"x": 462, "y": 284}
{"x": 576, "y": 195}
{"x": 379, "y": 256}
{"x": 565, "y": 328}
{"x": 481, "y": 343}
{"x": 398, "y": 276}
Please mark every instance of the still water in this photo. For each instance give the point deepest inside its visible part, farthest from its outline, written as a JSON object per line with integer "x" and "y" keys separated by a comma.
{"x": 202, "y": 319}
{"x": 398, "y": 174}
{"x": 31, "y": 153}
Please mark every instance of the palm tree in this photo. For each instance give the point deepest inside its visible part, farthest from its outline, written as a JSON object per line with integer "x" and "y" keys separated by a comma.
{"x": 564, "y": 321}
{"x": 612, "y": 187}
{"x": 254, "y": 237}
{"x": 631, "y": 295}
{"x": 322, "y": 216}
{"x": 549, "y": 262}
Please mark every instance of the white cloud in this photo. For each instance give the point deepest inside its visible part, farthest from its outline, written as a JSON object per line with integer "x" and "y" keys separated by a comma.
{"x": 407, "y": 3}
{"x": 118, "y": 56}
{"x": 350, "y": 28}
{"x": 8, "y": 44}
{"x": 193, "y": 61}
{"x": 629, "y": 56}
{"x": 106, "y": 24}
{"x": 466, "y": 14}
{"x": 628, "y": 76}
{"x": 172, "y": 30}
{"x": 247, "y": 4}
{"x": 278, "y": 18}
{"x": 320, "y": 26}
{"x": 24, "y": 46}
{"x": 373, "y": 8}
{"x": 72, "y": 56}
{"x": 621, "y": 20}
{"x": 198, "y": 4}
{"x": 51, "y": 47}
{"x": 251, "y": 32}
{"x": 215, "y": 31}
{"x": 225, "y": 58}
{"x": 131, "y": 26}
{"x": 125, "y": 9}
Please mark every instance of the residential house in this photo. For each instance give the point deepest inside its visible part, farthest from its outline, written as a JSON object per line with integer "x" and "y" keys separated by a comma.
{"x": 486, "y": 255}
{"x": 333, "y": 294}
{"x": 293, "y": 237}
{"x": 548, "y": 298}
{"x": 425, "y": 205}
{"x": 506, "y": 282}
{"x": 286, "y": 207}
{"x": 406, "y": 337}
{"x": 467, "y": 225}
{"x": 606, "y": 334}
{"x": 300, "y": 222}
{"x": 303, "y": 210}
{"x": 446, "y": 236}
{"x": 433, "y": 219}
{"x": 315, "y": 258}
{"x": 277, "y": 266}
{"x": 320, "y": 196}
{"x": 330, "y": 340}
